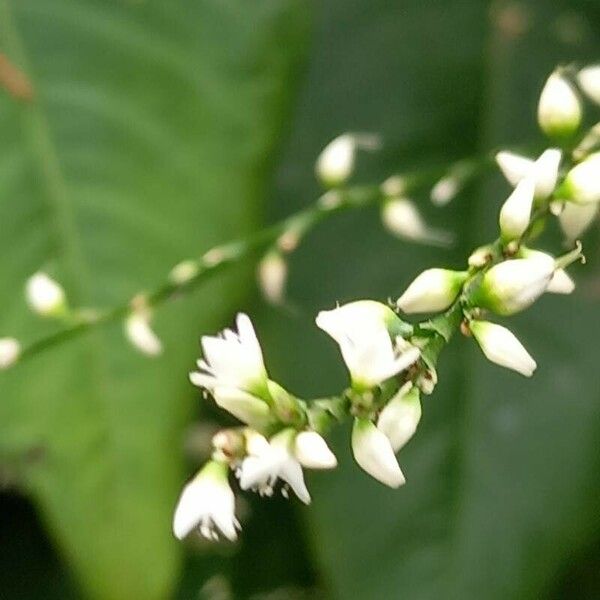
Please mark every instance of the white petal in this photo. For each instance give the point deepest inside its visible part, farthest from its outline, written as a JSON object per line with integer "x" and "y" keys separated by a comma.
{"x": 513, "y": 166}
{"x": 400, "y": 417}
{"x": 245, "y": 407}
{"x": 576, "y": 218}
{"x": 313, "y": 452}
{"x": 44, "y": 295}
{"x": 561, "y": 283}
{"x": 374, "y": 453}
{"x": 10, "y": 350}
{"x": 141, "y": 335}
{"x": 515, "y": 213}
{"x": 291, "y": 473}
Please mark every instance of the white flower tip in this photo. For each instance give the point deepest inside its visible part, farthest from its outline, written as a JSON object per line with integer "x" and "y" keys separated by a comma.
{"x": 445, "y": 190}
{"x": 10, "y": 350}
{"x": 561, "y": 283}
{"x": 272, "y": 277}
{"x": 44, "y": 295}
{"x": 140, "y": 334}
{"x": 559, "y": 108}
{"x": 589, "y": 81}
{"x": 513, "y": 166}
{"x": 312, "y": 451}
{"x": 515, "y": 213}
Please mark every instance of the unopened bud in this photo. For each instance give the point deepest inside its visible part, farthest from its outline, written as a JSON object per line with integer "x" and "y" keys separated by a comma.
{"x": 335, "y": 164}
{"x": 272, "y": 276}
{"x": 45, "y": 296}
{"x": 432, "y": 291}
{"x": 501, "y": 346}
{"x": 402, "y": 218}
{"x": 559, "y": 108}
{"x": 140, "y": 334}
{"x": 589, "y": 81}
{"x": 183, "y": 272}
{"x": 10, "y": 350}
{"x": 576, "y": 218}
{"x": 445, "y": 190}
{"x": 582, "y": 183}
{"x": 515, "y": 214}
{"x": 401, "y": 415}
{"x": 312, "y": 451}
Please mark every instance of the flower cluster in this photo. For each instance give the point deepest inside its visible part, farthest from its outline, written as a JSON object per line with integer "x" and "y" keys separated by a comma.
{"x": 391, "y": 362}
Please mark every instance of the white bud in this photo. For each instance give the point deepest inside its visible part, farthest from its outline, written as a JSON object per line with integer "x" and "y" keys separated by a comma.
{"x": 335, "y": 164}
{"x": 582, "y": 183}
{"x": 432, "y": 291}
{"x": 402, "y": 218}
{"x": 374, "y": 453}
{"x": 272, "y": 276}
{"x": 576, "y": 218}
{"x": 502, "y": 347}
{"x": 207, "y": 503}
{"x": 589, "y": 81}
{"x": 514, "y": 285}
{"x": 400, "y": 417}
{"x": 140, "y": 334}
{"x": 394, "y": 186}
{"x": 312, "y": 451}
{"x": 10, "y": 350}
{"x": 544, "y": 170}
{"x": 515, "y": 213}
{"x": 559, "y": 108}
{"x": 45, "y": 296}
{"x": 242, "y": 405}
{"x": 182, "y": 272}
{"x": 445, "y": 190}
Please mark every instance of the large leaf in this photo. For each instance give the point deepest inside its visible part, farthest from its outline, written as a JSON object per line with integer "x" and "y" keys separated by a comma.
{"x": 148, "y": 139}
{"x": 502, "y": 476}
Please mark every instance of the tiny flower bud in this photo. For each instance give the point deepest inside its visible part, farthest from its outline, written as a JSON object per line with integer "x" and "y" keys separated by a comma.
{"x": 514, "y": 285}
{"x": 559, "y": 108}
{"x": 544, "y": 170}
{"x": 432, "y": 291}
{"x": 140, "y": 334}
{"x": 400, "y": 417}
{"x": 335, "y": 164}
{"x": 515, "y": 214}
{"x": 582, "y": 183}
{"x": 312, "y": 451}
{"x": 10, "y": 350}
{"x": 272, "y": 276}
{"x": 445, "y": 190}
{"x": 402, "y": 218}
{"x": 374, "y": 453}
{"x": 45, "y": 296}
{"x": 182, "y": 272}
{"x": 502, "y": 347}
{"x": 576, "y": 218}
{"x": 589, "y": 81}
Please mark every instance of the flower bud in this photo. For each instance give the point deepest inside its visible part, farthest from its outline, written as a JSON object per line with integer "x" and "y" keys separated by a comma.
{"x": 432, "y": 291}
{"x": 400, "y": 417}
{"x": 183, "y": 272}
{"x": 445, "y": 190}
{"x": 501, "y": 347}
{"x": 312, "y": 451}
{"x": 10, "y": 350}
{"x": 576, "y": 218}
{"x": 544, "y": 170}
{"x": 45, "y": 296}
{"x": 140, "y": 334}
{"x": 401, "y": 217}
{"x": 272, "y": 276}
{"x": 243, "y": 406}
{"x": 335, "y": 164}
{"x": 582, "y": 183}
{"x": 374, "y": 453}
{"x": 515, "y": 214}
{"x": 514, "y": 285}
{"x": 589, "y": 81}
{"x": 559, "y": 108}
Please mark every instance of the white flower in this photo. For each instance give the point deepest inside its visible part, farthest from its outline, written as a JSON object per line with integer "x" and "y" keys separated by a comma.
{"x": 401, "y": 415}
{"x": 576, "y": 218}
{"x": 515, "y": 213}
{"x": 272, "y": 276}
{"x": 513, "y": 285}
{"x": 582, "y": 183}
{"x": 559, "y": 108}
{"x": 268, "y": 461}
{"x": 544, "y": 170}
{"x": 45, "y": 296}
{"x": 232, "y": 360}
{"x": 141, "y": 335}
{"x": 374, "y": 453}
{"x": 335, "y": 164}
{"x": 313, "y": 452}
{"x": 362, "y": 331}
{"x": 402, "y": 218}
{"x": 10, "y": 350}
{"x": 432, "y": 291}
{"x": 589, "y": 81}
{"x": 502, "y": 347}
{"x": 207, "y": 502}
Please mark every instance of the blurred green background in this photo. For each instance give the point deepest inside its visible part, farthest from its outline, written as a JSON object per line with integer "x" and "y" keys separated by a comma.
{"x": 159, "y": 128}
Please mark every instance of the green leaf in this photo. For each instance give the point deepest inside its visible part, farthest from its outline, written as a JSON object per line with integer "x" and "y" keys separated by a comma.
{"x": 502, "y": 475}
{"x": 148, "y": 139}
